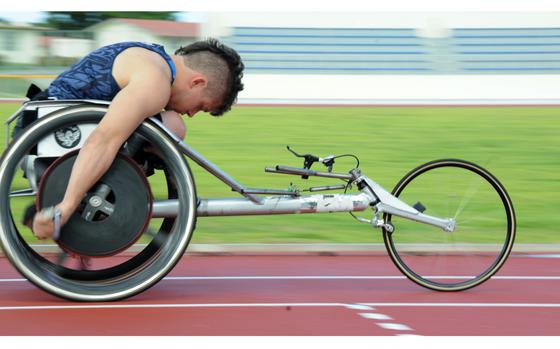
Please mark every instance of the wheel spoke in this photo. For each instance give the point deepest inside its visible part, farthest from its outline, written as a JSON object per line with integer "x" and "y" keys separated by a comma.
{"x": 469, "y": 194}
{"x": 23, "y": 193}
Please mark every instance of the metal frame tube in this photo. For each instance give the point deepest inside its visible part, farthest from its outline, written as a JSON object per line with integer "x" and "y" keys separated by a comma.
{"x": 9, "y": 121}
{"x": 270, "y": 205}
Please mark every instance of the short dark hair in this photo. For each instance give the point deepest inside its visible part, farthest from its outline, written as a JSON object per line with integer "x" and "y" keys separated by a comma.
{"x": 208, "y": 57}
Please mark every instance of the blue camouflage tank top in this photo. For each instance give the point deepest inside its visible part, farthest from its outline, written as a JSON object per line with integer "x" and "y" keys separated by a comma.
{"x": 92, "y": 78}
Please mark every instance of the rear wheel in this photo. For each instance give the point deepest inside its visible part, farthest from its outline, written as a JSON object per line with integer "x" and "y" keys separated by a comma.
{"x": 485, "y": 226}
{"x": 107, "y": 277}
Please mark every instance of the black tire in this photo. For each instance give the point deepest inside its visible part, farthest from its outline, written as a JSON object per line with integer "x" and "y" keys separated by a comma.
{"x": 119, "y": 281}
{"x": 491, "y": 219}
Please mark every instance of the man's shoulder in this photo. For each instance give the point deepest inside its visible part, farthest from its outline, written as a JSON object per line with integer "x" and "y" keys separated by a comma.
{"x": 141, "y": 55}
{"x": 139, "y": 61}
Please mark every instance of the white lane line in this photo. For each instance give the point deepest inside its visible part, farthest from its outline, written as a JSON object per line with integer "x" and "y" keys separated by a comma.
{"x": 325, "y": 277}
{"x": 395, "y": 327}
{"x": 175, "y": 305}
{"x": 375, "y": 316}
{"x": 359, "y": 307}
{"x": 343, "y": 277}
{"x": 263, "y": 305}
{"x": 12, "y": 280}
{"x": 283, "y": 277}
{"x": 468, "y": 305}
{"x": 525, "y": 277}
{"x": 386, "y": 325}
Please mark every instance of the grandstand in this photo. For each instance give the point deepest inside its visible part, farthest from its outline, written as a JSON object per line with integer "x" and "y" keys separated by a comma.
{"x": 397, "y": 50}
{"x": 511, "y": 50}
{"x": 336, "y": 50}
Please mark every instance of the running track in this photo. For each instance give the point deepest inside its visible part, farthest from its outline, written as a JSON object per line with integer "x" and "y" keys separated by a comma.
{"x": 297, "y": 294}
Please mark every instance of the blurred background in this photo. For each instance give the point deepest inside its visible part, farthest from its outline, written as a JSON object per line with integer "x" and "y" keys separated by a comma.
{"x": 395, "y": 88}
{"x": 413, "y": 55}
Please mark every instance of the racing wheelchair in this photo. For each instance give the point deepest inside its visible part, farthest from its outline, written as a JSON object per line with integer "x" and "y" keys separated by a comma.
{"x": 448, "y": 225}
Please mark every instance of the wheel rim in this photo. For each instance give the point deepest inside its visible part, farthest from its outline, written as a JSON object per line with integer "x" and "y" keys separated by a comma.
{"x": 485, "y": 226}
{"x": 111, "y": 280}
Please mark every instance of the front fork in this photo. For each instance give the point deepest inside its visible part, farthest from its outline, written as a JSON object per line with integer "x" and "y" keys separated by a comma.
{"x": 385, "y": 202}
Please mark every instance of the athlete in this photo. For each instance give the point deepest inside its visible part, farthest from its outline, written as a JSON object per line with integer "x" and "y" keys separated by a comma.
{"x": 141, "y": 80}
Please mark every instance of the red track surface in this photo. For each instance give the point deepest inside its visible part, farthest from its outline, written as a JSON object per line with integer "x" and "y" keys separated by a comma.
{"x": 296, "y": 304}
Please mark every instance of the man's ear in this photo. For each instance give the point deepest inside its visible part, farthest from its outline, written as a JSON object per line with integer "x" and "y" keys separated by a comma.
{"x": 199, "y": 81}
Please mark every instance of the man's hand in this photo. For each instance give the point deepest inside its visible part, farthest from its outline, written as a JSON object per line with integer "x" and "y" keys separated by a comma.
{"x": 43, "y": 222}
{"x": 43, "y": 225}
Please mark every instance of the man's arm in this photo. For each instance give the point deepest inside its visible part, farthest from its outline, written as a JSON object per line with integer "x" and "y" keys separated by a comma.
{"x": 146, "y": 93}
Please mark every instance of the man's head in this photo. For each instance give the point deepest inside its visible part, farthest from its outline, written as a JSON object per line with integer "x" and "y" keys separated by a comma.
{"x": 212, "y": 79}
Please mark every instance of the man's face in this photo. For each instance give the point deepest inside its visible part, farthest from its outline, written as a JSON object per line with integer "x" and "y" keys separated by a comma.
{"x": 191, "y": 97}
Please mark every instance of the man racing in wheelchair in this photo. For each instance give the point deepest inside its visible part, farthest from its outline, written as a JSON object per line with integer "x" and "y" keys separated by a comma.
{"x": 141, "y": 80}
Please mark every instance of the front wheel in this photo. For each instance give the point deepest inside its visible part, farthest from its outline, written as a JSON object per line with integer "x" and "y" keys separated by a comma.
{"x": 485, "y": 226}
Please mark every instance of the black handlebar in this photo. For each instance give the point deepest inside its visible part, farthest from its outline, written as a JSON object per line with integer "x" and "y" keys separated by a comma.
{"x": 310, "y": 159}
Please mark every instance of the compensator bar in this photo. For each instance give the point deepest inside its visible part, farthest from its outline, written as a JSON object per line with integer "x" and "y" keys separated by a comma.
{"x": 304, "y": 172}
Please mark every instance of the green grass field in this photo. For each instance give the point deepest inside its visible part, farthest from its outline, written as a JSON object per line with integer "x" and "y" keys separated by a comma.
{"x": 518, "y": 145}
